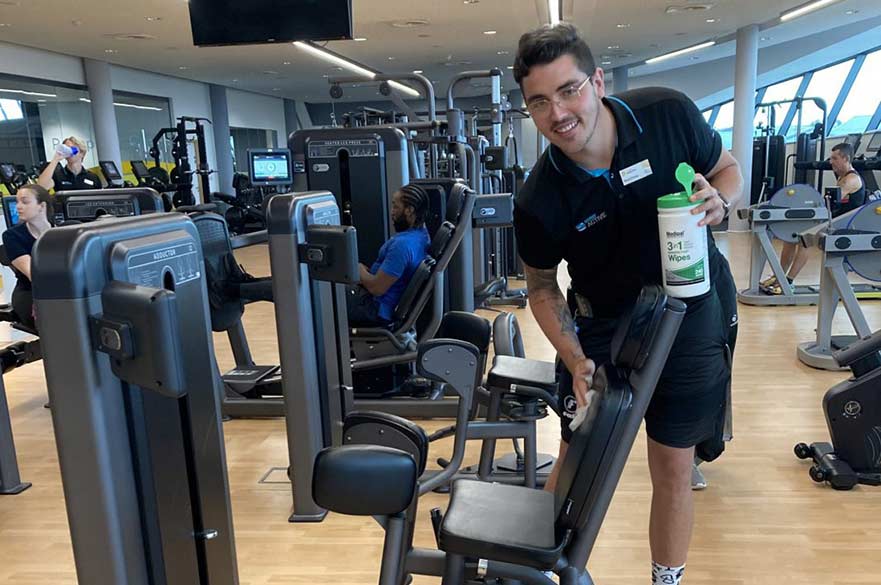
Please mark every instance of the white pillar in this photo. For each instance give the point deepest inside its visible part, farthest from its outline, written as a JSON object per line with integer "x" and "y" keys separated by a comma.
{"x": 620, "y": 79}
{"x": 103, "y": 113}
{"x": 745, "y": 70}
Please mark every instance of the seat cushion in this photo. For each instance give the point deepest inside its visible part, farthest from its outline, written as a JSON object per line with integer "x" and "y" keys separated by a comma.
{"x": 501, "y": 522}
{"x": 507, "y": 370}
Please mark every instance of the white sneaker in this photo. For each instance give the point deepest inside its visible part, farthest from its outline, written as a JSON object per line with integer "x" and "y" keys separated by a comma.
{"x": 698, "y": 481}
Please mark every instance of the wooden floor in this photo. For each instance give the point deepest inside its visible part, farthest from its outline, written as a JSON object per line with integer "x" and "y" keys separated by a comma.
{"x": 762, "y": 521}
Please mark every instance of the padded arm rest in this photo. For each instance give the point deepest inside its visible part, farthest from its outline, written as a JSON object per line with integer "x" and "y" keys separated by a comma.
{"x": 246, "y": 240}
{"x": 364, "y": 480}
{"x": 259, "y": 289}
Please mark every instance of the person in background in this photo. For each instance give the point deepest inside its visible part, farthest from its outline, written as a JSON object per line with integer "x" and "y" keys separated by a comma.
{"x": 372, "y": 302}
{"x": 72, "y": 175}
{"x": 34, "y": 206}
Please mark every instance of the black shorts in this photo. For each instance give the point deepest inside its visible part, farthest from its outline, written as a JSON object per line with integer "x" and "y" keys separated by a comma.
{"x": 689, "y": 401}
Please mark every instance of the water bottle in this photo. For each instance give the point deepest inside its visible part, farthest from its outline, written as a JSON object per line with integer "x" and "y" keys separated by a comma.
{"x": 67, "y": 151}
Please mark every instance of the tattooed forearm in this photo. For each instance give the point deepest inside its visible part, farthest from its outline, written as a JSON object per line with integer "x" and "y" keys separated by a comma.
{"x": 552, "y": 314}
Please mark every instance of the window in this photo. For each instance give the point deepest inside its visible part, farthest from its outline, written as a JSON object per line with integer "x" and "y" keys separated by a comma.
{"x": 862, "y": 101}
{"x": 825, "y": 84}
{"x": 138, "y": 119}
{"x": 707, "y": 114}
{"x": 784, "y": 90}
{"x": 11, "y": 110}
{"x": 725, "y": 123}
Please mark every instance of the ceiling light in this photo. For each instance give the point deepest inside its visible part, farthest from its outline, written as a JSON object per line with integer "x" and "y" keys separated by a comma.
{"x": 404, "y": 88}
{"x": 680, "y": 52}
{"x": 850, "y": 12}
{"x": 391, "y": 58}
{"x": 605, "y": 63}
{"x": 503, "y": 52}
{"x": 333, "y": 58}
{"x": 183, "y": 67}
{"x": 152, "y": 18}
{"x": 614, "y": 47}
{"x": 554, "y": 11}
{"x": 359, "y": 39}
{"x": 417, "y": 71}
{"x": 622, "y": 25}
{"x": 23, "y": 92}
{"x": 109, "y": 50}
{"x": 41, "y": 100}
{"x": 712, "y": 20}
{"x": 4, "y": 24}
{"x": 510, "y": 66}
{"x": 136, "y": 107}
{"x": 471, "y": 2}
{"x": 235, "y": 80}
{"x": 276, "y": 89}
{"x": 805, "y": 9}
{"x": 286, "y": 63}
{"x": 489, "y": 32}
{"x": 764, "y": 38}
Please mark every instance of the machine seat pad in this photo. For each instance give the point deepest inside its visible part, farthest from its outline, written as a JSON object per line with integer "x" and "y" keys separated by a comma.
{"x": 388, "y": 430}
{"x": 507, "y": 370}
{"x": 501, "y": 522}
{"x": 364, "y": 480}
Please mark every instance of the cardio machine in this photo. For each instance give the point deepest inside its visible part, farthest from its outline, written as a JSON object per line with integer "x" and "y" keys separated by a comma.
{"x": 853, "y": 416}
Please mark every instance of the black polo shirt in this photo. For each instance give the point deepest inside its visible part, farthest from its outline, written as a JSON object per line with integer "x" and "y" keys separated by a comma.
{"x": 608, "y": 231}
{"x": 65, "y": 180}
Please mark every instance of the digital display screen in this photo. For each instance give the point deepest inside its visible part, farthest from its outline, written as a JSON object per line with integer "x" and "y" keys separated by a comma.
{"x": 874, "y": 143}
{"x": 139, "y": 169}
{"x": 7, "y": 170}
{"x": 111, "y": 173}
{"x": 10, "y": 211}
{"x": 269, "y": 167}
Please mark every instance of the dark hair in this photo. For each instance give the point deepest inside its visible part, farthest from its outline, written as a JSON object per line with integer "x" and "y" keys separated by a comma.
{"x": 845, "y": 149}
{"x": 546, "y": 44}
{"x": 42, "y": 196}
{"x": 416, "y": 197}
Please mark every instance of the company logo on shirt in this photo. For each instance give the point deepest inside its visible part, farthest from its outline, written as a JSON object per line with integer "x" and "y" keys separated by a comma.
{"x": 591, "y": 221}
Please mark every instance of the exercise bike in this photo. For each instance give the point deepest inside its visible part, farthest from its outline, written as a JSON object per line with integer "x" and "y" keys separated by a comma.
{"x": 853, "y": 415}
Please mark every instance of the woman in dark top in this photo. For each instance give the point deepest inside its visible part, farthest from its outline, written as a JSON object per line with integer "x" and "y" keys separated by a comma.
{"x": 34, "y": 205}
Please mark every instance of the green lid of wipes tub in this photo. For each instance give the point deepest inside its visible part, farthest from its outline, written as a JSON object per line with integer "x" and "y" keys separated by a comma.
{"x": 675, "y": 200}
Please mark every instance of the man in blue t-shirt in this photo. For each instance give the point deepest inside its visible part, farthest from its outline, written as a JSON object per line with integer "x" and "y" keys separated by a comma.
{"x": 373, "y": 301}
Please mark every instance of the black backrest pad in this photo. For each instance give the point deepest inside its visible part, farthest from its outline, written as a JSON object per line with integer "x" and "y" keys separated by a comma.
{"x": 441, "y": 240}
{"x": 217, "y": 250}
{"x": 388, "y": 430}
{"x": 467, "y": 327}
{"x": 591, "y": 449}
{"x": 636, "y": 331}
{"x": 414, "y": 289}
{"x": 462, "y": 224}
{"x": 364, "y": 480}
{"x": 507, "y": 339}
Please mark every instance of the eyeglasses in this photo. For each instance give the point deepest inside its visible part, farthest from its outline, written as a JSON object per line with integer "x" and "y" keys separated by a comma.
{"x": 566, "y": 96}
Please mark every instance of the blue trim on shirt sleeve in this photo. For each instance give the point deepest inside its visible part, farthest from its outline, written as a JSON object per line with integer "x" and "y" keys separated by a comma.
{"x": 626, "y": 107}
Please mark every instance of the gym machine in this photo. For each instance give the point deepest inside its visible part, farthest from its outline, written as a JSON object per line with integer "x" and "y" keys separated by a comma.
{"x": 791, "y": 210}
{"x": 127, "y": 350}
{"x": 112, "y": 176}
{"x": 180, "y": 181}
{"x": 89, "y": 205}
{"x": 853, "y": 416}
{"x": 493, "y": 531}
{"x": 12, "y": 355}
{"x": 850, "y": 242}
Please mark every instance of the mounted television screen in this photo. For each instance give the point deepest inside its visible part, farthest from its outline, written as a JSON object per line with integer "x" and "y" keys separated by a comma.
{"x": 248, "y": 22}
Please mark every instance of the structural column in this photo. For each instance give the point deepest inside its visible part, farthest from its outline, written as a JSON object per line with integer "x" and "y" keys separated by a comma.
{"x": 291, "y": 122}
{"x": 745, "y": 70}
{"x": 220, "y": 128}
{"x": 620, "y": 79}
{"x": 103, "y": 114}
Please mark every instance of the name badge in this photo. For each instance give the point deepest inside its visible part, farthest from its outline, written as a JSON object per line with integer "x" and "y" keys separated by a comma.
{"x": 88, "y": 182}
{"x": 633, "y": 173}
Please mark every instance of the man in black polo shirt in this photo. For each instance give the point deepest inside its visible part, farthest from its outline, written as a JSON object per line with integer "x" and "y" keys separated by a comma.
{"x": 73, "y": 175}
{"x": 591, "y": 201}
